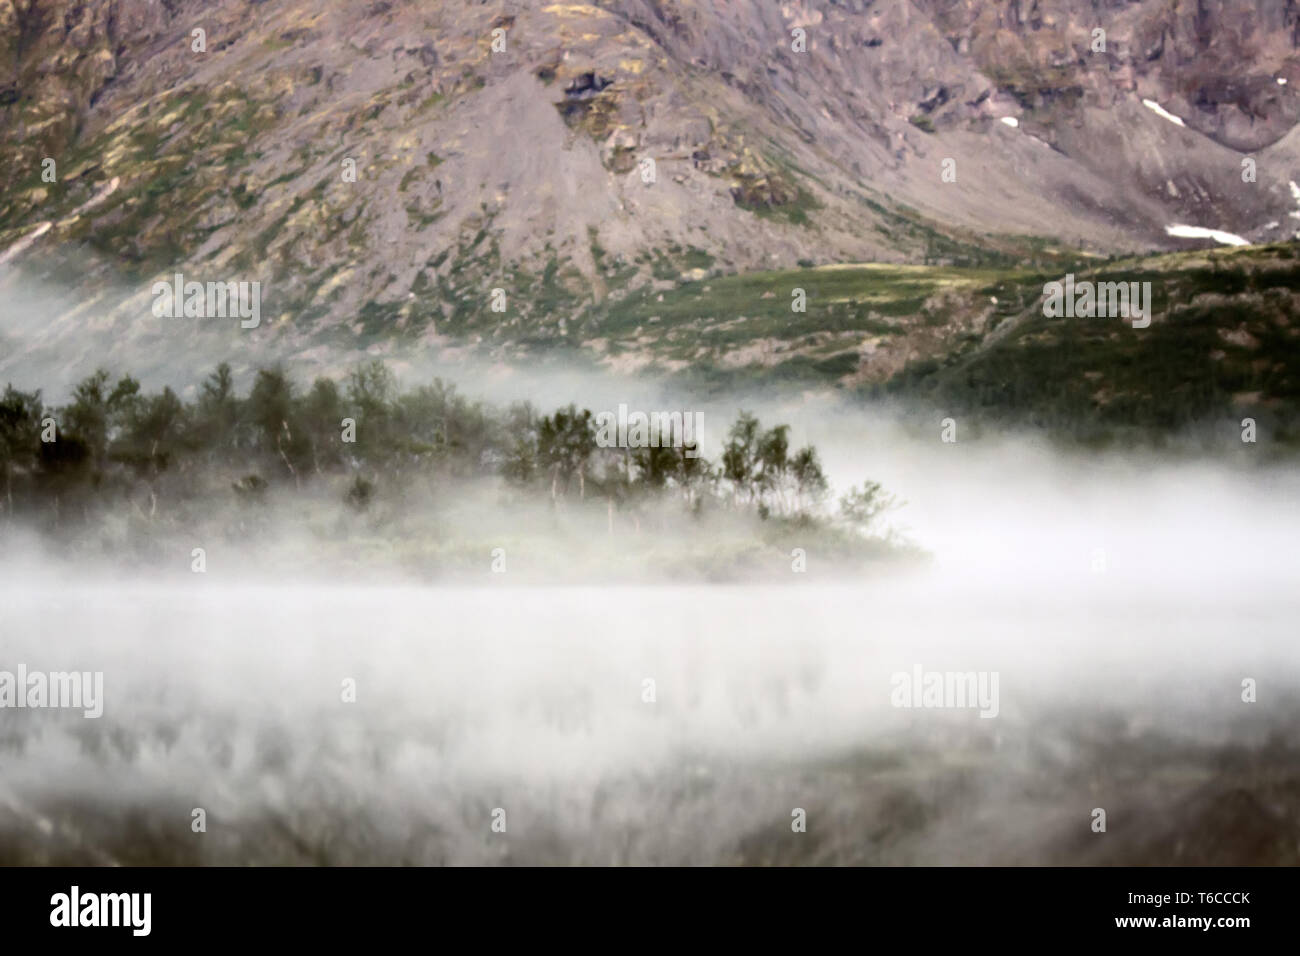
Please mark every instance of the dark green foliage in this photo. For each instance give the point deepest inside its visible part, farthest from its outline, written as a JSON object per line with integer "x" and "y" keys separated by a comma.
{"x": 322, "y": 417}
{"x": 119, "y": 445}
{"x": 218, "y": 410}
{"x": 153, "y": 432}
{"x": 758, "y": 466}
{"x": 96, "y": 408}
{"x": 565, "y": 443}
{"x": 20, "y": 422}
{"x": 1221, "y": 346}
{"x": 861, "y": 508}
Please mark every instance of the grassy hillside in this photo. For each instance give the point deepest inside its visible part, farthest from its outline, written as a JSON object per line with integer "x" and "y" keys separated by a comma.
{"x": 1224, "y": 344}
{"x": 1223, "y": 341}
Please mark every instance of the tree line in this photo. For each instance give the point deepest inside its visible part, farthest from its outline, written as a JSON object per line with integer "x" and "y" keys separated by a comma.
{"x": 112, "y": 439}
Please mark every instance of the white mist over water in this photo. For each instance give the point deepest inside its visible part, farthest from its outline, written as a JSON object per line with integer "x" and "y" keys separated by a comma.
{"x": 1118, "y": 688}
{"x": 1119, "y": 684}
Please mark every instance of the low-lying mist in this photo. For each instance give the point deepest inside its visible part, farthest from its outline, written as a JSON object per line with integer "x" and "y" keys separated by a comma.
{"x": 344, "y": 685}
{"x": 1124, "y": 601}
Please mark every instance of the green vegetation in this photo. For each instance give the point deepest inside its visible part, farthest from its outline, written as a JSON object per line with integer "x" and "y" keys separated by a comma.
{"x": 1223, "y": 340}
{"x": 1222, "y": 345}
{"x": 367, "y": 449}
{"x": 705, "y": 326}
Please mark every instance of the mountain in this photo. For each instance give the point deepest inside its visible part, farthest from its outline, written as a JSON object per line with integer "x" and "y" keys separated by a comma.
{"x": 579, "y": 157}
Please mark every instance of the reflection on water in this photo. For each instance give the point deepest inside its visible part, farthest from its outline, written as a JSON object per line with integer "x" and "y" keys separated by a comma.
{"x": 536, "y": 701}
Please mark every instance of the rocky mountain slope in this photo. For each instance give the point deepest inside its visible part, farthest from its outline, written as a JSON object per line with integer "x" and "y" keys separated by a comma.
{"x": 574, "y": 154}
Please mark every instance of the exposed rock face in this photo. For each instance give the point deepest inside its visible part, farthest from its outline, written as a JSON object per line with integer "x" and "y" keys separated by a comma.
{"x": 55, "y": 60}
{"x": 1213, "y": 62}
{"x": 743, "y": 133}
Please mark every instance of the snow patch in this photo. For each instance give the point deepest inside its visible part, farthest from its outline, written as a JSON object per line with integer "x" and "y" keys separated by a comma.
{"x": 1161, "y": 111}
{"x": 1011, "y": 121}
{"x": 1295, "y": 194}
{"x": 1200, "y": 232}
